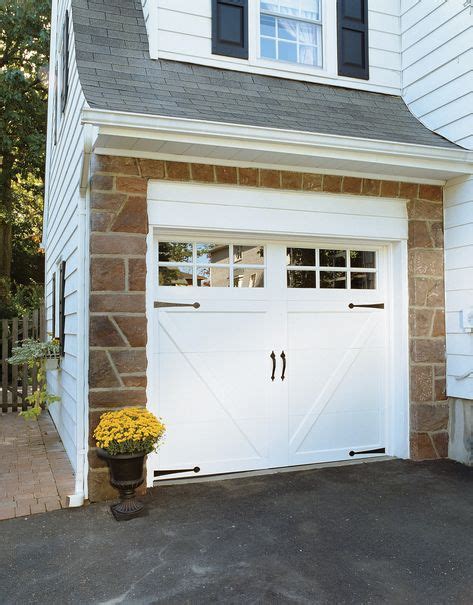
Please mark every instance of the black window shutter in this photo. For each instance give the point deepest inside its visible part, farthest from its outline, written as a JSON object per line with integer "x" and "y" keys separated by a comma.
{"x": 53, "y": 313}
{"x": 65, "y": 62}
{"x": 62, "y": 315}
{"x": 352, "y": 16}
{"x": 230, "y": 28}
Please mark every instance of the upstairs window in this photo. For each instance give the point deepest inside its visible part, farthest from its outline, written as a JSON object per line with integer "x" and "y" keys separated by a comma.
{"x": 291, "y": 31}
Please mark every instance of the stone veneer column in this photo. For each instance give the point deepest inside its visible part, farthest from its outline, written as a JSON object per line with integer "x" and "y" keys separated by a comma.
{"x": 429, "y": 407}
{"x": 117, "y": 375}
{"x": 117, "y": 357}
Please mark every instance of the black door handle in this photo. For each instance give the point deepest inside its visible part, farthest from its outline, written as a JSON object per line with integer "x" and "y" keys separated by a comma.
{"x": 283, "y": 357}
{"x": 273, "y": 357}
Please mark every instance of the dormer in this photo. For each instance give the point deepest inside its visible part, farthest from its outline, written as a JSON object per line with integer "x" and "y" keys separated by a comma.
{"x": 351, "y": 43}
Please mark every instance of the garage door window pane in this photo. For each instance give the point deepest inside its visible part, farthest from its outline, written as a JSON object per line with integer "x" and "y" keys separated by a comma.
{"x": 175, "y": 276}
{"x": 301, "y": 279}
{"x": 213, "y": 277}
{"x": 213, "y": 253}
{"x": 248, "y": 255}
{"x": 303, "y": 257}
{"x": 363, "y": 281}
{"x": 175, "y": 252}
{"x": 333, "y": 279}
{"x": 211, "y": 265}
{"x": 248, "y": 278}
{"x": 362, "y": 259}
{"x": 333, "y": 258}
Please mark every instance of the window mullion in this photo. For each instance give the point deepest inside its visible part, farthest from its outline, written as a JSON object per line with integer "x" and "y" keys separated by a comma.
{"x": 194, "y": 264}
{"x": 293, "y": 17}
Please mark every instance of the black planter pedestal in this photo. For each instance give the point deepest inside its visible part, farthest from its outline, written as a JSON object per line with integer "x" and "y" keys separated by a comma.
{"x": 126, "y": 474}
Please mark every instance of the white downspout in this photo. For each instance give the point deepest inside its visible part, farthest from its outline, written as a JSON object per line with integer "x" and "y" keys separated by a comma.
{"x": 82, "y": 428}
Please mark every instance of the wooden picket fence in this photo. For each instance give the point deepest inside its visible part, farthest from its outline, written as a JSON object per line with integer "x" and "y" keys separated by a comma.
{"x": 19, "y": 381}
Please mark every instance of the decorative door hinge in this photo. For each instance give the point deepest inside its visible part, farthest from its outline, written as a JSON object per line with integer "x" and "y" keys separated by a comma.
{"x": 158, "y": 473}
{"x": 379, "y": 450}
{"x": 158, "y": 304}
{"x": 372, "y": 306}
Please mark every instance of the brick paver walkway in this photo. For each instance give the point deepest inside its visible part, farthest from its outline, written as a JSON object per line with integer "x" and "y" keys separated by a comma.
{"x": 35, "y": 472}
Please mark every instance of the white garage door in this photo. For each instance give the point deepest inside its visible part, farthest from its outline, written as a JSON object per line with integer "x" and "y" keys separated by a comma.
{"x": 282, "y": 361}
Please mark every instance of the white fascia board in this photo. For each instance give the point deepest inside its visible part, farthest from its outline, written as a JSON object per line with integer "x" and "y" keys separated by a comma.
{"x": 377, "y": 152}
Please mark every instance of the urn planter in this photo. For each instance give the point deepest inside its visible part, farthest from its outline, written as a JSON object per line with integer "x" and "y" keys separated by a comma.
{"x": 126, "y": 474}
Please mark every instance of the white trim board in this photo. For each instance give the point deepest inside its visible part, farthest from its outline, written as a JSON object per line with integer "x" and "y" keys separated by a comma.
{"x": 185, "y": 206}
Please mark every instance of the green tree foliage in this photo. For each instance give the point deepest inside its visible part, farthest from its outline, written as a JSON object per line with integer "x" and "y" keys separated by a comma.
{"x": 24, "y": 49}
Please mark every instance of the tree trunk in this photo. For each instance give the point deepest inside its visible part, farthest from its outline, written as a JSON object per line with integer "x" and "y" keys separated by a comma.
{"x": 6, "y": 174}
{"x": 5, "y": 250}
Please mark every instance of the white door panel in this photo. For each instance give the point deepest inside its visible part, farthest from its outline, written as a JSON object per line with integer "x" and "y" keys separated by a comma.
{"x": 210, "y": 391}
{"x": 330, "y": 330}
{"x": 323, "y": 430}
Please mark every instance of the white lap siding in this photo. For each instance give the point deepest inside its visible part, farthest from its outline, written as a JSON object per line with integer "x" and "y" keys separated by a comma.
{"x": 459, "y": 284}
{"x": 459, "y": 298}
{"x": 437, "y": 66}
{"x": 61, "y": 237}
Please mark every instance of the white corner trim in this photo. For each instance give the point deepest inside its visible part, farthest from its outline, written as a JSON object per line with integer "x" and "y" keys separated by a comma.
{"x": 124, "y": 124}
{"x": 152, "y": 28}
{"x": 82, "y": 424}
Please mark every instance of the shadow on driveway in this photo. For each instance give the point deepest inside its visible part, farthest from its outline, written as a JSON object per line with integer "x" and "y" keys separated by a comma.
{"x": 386, "y": 532}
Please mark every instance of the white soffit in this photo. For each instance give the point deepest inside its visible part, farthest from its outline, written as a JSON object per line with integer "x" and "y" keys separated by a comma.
{"x": 180, "y": 139}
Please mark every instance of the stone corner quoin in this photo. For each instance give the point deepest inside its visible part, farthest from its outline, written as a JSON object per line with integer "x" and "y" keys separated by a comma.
{"x": 119, "y": 226}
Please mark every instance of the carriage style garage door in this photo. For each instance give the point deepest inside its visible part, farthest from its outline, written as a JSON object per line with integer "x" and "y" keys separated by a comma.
{"x": 267, "y": 353}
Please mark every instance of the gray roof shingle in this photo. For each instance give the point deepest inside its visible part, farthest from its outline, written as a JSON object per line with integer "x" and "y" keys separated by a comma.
{"x": 117, "y": 73}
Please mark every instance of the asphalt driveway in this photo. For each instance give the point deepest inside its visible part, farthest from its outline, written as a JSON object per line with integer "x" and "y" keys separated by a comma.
{"x": 384, "y": 532}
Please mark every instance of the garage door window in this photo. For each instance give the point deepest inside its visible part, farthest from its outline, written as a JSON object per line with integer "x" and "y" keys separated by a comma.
{"x": 329, "y": 268}
{"x": 212, "y": 265}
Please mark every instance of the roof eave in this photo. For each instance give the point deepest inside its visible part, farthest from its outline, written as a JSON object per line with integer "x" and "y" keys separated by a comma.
{"x": 441, "y": 160}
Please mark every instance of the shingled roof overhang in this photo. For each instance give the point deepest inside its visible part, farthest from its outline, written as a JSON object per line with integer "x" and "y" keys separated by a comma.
{"x": 230, "y": 115}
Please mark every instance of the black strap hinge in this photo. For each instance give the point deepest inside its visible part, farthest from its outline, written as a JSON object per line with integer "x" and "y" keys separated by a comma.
{"x": 371, "y": 306}
{"x": 158, "y": 473}
{"x": 379, "y": 450}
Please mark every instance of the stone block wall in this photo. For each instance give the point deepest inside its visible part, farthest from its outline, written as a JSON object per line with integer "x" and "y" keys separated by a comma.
{"x": 118, "y": 224}
{"x": 429, "y": 406}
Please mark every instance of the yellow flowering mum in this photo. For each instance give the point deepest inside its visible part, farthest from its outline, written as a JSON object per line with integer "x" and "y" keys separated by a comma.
{"x": 129, "y": 431}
